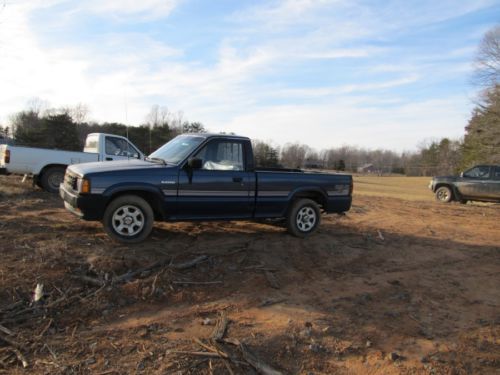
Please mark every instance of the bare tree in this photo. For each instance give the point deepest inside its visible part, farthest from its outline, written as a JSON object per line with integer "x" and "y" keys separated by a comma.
{"x": 487, "y": 63}
{"x": 79, "y": 113}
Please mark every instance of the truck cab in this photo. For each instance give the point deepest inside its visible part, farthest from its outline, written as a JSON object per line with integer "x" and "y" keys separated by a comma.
{"x": 111, "y": 147}
{"x": 47, "y": 166}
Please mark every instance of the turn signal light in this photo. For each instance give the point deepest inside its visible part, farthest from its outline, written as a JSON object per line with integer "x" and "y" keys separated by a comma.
{"x": 85, "y": 187}
{"x": 6, "y": 156}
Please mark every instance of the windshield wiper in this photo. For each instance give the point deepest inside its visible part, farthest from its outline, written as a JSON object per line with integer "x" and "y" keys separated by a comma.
{"x": 157, "y": 160}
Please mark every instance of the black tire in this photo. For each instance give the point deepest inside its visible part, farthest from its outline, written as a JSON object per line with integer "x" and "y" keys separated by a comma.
{"x": 130, "y": 213}
{"x": 51, "y": 178}
{"x": 444, "y": 194}
{"x": 303, "y": 218}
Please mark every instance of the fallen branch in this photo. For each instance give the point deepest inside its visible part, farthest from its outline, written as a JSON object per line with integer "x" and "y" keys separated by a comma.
{"x": 10, "y": 341}
{"x": 189, "y": 264}
{"x": 6, "y": 330}
{"x": 196, "y": 282}
{"x": 20, "y": 357}
{"x": 45, "y": 328}
{"x": 220, "y": 327}
{"x": 272, "y": 280}
{"x": 269, "y": 302}
{"x": 130, "y": 275}
{"x": 198, "y": 354}
{"x": 89, "y": 280}
{"x": 162, "y": 263}
{"x": 257, "y": 363}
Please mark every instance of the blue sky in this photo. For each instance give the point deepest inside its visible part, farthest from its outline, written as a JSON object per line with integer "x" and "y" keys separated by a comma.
{"x": 375, "y": 74}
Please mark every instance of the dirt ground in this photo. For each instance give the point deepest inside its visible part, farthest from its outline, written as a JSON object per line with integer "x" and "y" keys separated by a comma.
{"x": 395, "y": 286}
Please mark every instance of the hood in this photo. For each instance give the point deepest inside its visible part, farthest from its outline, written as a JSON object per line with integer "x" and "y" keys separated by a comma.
{"x": 446, "y": 178}
{"x": 109, "y": 166}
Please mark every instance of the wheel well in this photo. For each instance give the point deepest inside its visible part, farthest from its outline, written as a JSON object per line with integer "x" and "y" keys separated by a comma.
{"x": 453, "y": 193}
{"x": 313, "y": 195}
{"x": 42, "y": 171}
{"x": 153, "y": 200}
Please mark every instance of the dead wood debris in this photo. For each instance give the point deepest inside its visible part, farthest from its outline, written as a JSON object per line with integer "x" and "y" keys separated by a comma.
{"x": 220, "y": 327}
{"x": 272, "y": 280}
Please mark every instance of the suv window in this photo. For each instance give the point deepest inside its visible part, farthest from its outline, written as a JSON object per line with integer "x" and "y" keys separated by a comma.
{"x": 222, "y": 156}
{"x": 120, "y": 147}
{"x": 478, "y": 172}
{"x": 496, "y": 175}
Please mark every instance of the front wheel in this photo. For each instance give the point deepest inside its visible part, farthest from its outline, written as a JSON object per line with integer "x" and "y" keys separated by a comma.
{"x": 303, "y": 218}
{"x": 128, "y": 219}
{"x": 444, "y": 194}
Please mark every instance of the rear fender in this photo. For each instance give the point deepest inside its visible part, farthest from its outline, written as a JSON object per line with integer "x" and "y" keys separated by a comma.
{"x": 315, "y": 193}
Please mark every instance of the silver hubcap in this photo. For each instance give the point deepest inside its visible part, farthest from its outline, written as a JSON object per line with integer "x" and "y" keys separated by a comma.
{"x": 306, "y": 219}
{"x": 128, "y": 220}
{"x": 443, "y": 195}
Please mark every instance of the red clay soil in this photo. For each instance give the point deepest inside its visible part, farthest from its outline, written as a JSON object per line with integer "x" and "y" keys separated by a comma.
{"x": 392, "y": 287}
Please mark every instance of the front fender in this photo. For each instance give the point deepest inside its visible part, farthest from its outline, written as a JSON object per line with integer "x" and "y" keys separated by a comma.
{"x": 128, "y": 187}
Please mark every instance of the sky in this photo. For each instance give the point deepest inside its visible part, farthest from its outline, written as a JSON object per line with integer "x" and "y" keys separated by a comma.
{"x": 373, "y": 74}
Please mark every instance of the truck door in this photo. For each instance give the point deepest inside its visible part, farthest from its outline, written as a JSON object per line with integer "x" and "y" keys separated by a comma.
{"x": 221, "y": 188}
{"x": 116, "y": 148}
{"x": 475, "y": 182}
{"x": 493, "y": 190}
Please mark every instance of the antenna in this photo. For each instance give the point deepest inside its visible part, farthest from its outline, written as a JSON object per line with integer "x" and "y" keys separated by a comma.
{"x": 126, "y": 125}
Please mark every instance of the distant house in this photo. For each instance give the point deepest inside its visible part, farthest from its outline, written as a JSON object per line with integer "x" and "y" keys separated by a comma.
{"x": 367, "y": 168}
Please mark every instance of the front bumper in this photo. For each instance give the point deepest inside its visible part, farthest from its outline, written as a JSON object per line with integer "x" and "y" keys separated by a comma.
{"x": 87, "y": 207}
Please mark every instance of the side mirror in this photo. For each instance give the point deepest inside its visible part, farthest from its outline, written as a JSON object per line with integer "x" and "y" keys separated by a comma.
{"x": 195, "y": 163}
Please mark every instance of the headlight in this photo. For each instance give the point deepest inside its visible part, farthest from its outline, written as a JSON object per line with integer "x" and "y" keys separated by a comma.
{"x": 84, "y": 186}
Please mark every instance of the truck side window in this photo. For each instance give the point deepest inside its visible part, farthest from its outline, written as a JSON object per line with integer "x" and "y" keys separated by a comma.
{"x": 478, "y": 172}
{"x": 222, "y": 156}
{"x": 120, "y": 147}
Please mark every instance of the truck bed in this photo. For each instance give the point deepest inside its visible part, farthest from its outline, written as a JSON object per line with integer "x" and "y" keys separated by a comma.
{"x": 275, "y": 188}
{"x": 30, "y": 160}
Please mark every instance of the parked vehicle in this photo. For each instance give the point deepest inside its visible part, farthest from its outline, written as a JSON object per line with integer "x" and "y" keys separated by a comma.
{"x": 480, "y": 183}
{"x": 200, "y": 177}
{"x": 48, "y": 166}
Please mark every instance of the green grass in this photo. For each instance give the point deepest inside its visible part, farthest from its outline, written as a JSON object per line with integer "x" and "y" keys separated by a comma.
{"x": 411, "y": 188}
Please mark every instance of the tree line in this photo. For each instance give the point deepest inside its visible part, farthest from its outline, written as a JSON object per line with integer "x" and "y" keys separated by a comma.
{"x": 67, "y": 128}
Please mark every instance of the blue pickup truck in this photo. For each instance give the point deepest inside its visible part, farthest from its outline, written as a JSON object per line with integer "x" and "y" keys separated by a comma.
{"x": 200, "y": 177}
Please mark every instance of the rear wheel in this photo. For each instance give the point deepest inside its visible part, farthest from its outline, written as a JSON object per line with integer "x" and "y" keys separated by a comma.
{"x": 444, "y": 194}
{"x": 51, "y": 178}
{"x": 303, "y": 218}
{"x": 128, "y": 219}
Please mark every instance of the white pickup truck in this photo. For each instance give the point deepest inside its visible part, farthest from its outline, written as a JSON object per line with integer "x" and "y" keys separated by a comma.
{"x": 48, "y": 166}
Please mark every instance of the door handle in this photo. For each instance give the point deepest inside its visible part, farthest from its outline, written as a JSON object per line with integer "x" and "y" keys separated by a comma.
{"x": 108, "y": 159}
{"x": 238, "y": 179}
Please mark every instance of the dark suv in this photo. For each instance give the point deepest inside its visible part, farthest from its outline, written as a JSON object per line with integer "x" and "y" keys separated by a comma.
{"x": 480, "y": 183}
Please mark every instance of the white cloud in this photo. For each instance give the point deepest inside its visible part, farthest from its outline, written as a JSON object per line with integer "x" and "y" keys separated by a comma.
{"x": 228, "y": 94}
{"x": 350, "y": 122}
{"x": 143, "y": 9}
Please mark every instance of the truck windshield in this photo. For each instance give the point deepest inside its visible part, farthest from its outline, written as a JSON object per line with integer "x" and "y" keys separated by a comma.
{"x": 178, "y": 148}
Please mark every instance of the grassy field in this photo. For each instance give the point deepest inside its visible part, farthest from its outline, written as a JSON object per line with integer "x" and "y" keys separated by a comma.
{"x": 410, "y": 188}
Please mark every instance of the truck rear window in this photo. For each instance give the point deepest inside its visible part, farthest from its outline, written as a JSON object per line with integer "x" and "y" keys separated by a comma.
{"x": 91, "y": 143}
